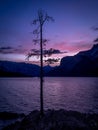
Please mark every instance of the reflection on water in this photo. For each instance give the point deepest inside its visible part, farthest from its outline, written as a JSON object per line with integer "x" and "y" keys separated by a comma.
{"x": 22, "y": 94}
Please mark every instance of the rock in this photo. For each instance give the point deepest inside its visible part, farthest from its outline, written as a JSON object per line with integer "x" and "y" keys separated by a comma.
{"x": 10, "y": 115}
{"x": 56, "y": 120}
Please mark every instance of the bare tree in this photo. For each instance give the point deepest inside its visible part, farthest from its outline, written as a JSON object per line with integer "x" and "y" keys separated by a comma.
{"x": 51, "y": 60}
{"x": 42, "y": 18}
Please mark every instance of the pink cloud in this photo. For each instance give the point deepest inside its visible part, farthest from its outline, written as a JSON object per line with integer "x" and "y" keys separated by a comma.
{"x": 73, "y": 47}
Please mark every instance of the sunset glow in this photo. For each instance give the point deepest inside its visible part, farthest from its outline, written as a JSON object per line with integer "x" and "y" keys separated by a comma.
{"x": 71, "y": 32}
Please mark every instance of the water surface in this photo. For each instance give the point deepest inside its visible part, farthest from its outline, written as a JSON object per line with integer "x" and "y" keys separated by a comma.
{"x": 22, "y": 94}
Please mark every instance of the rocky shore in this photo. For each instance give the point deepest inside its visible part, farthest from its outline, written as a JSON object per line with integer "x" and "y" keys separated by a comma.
{"x": 56, "y": 120}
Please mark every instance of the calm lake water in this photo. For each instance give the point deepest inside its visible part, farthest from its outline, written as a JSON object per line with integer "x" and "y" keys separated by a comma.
{"x": 22, "y": 94}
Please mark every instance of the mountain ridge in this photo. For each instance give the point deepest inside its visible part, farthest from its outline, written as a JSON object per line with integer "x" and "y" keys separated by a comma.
{"x": 15, "y": 69}
{"x": 85, "y": 63}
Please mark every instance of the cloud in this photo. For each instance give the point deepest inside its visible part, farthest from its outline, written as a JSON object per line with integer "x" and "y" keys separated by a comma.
{"x": 54, "y": 51}
{"x": 12, "y": 50}
{"x": 49, "y": 51}
{"x": 95, "y": 28}
{"x": 5, "y": 50}
{"x": 73, "y": 46}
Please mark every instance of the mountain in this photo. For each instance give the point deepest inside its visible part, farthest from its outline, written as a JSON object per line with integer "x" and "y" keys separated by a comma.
{"x": 84, "y": 63}
{"x": 15, "y": 69}
{"x": 47, "y": 69}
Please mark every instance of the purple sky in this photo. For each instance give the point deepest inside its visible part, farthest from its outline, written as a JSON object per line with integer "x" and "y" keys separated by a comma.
{"x": 72, "y": 30}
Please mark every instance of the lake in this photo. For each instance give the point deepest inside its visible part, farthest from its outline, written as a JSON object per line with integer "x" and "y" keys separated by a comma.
{"x": 70, "y": 93}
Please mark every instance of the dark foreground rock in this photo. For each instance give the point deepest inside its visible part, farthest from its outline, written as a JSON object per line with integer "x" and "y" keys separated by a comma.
{"x": 10, "y": 115}
{"x": 7, "y": 118}
{"x": 56, "y": 120}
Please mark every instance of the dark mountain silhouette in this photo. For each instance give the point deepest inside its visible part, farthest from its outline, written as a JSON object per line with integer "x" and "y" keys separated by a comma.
{"x": 14, "y": 69}
{"x": 84, "y": 63}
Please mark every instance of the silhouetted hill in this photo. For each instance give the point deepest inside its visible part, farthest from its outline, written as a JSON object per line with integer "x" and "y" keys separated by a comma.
{"x": 14, "y": 69}
{"x": 85, "y": 63}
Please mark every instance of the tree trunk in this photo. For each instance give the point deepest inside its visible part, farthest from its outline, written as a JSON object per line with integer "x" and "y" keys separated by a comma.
{"x": 41, "y": 72}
